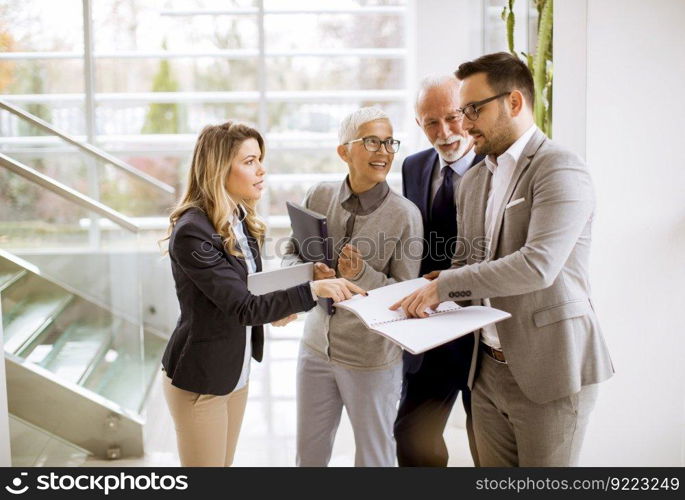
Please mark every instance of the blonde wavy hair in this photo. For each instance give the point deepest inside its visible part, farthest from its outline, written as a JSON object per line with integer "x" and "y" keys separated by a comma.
{"x": 214, "y": 152}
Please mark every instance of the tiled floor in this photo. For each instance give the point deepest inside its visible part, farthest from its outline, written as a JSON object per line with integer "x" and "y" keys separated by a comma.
{"x": 33, "y": 447}
{"x": 268, "y": 432}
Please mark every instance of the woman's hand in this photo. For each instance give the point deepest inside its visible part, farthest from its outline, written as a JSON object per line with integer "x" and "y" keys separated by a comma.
{"x": 322, "y": 271}
{"x": 338, "y": 289}
{"x": 285, "y": 321}
{"x": 350, "y": 263}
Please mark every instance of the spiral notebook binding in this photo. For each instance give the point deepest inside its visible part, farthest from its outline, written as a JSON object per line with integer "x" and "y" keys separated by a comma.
{"x": 405, "y": 318}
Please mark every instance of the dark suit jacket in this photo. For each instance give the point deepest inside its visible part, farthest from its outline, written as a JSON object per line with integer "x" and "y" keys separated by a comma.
{"x": 417, "y": 173}
{"x": 205, "y": 352}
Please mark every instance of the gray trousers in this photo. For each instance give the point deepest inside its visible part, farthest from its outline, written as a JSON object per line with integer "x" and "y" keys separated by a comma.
{"x": 370, "y": 398}
{"x": 511, "y": 430}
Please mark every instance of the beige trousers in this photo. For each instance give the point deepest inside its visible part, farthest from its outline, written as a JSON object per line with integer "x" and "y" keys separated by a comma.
{"x": 207, "y": 426}
{"x": 513, "y": 431}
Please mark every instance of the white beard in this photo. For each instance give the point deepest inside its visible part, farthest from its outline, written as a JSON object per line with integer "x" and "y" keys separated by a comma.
{"x": 452, "y": 156}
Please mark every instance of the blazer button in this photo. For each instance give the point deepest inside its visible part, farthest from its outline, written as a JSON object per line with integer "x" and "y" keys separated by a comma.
{"x": 451, "y": 295}
{"x": 468, "y": 293}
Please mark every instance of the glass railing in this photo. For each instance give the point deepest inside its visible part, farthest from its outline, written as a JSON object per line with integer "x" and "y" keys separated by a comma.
{"x": 136, "y": 190}
{"x": 70, "y": 289}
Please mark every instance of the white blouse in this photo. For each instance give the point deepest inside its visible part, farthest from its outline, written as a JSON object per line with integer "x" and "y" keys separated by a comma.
{"x": 251, "y": 267}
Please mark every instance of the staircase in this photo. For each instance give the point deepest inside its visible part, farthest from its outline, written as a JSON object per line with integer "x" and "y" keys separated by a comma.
{"x": 83, "y": 351}
{"x": 79, "y": 358}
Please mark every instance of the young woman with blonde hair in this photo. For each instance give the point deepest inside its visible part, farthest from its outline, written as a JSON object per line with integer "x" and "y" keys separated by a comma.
{"x": 215, "y": 238}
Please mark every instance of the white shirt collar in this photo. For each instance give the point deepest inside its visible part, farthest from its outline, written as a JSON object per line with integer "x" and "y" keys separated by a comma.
{"x": 514, "y": 151}
{"x": 236, "y": 218}
{"x": 461, "y": 165}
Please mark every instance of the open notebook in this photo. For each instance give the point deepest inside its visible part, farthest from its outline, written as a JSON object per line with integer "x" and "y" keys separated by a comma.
{"x": 416, "y": 335}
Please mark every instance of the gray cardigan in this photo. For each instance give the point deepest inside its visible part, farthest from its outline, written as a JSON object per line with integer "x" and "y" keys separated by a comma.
{"x": 389, "y": 238}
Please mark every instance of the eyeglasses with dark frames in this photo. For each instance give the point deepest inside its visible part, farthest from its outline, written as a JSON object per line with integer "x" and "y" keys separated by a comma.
{"x": 472, "y": 111}
{"x": 373, "y": 144}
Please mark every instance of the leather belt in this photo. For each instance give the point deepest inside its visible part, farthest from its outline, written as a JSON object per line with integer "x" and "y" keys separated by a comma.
{"x": 495, "y": 354}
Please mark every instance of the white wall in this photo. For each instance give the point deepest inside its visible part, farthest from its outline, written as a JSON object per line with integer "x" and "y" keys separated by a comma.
{"x": 633, "y": 133}
{"x": 446, "y": 33}
{"x": 570, "y": 75}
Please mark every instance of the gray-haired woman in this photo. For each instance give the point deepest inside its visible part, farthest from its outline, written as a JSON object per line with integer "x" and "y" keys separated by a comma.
{"x": 377, "y": 234}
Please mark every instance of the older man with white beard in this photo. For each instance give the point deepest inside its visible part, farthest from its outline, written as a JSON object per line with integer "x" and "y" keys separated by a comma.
{"x": 430, "y": 179}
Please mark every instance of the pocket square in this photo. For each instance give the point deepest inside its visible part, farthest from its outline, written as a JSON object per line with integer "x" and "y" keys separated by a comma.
{"x": 514, "y": 203}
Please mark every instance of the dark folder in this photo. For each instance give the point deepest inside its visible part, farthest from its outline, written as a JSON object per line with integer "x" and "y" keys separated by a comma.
{"x": 310, "y": 236}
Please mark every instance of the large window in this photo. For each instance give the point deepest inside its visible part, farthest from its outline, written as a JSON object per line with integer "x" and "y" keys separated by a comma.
{"x": 140, "y": 78}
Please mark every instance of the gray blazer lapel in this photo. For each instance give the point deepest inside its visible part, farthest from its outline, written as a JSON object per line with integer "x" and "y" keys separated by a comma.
{"x": 524, "y": 160}
{"x": 474, "y": 211}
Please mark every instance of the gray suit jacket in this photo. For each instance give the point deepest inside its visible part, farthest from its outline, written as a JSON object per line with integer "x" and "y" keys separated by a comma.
{"x": 538, "y": 271}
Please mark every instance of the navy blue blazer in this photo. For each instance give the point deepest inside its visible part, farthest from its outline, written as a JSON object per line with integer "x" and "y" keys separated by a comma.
{"x": 417, "y": 172}
{"x": 206, "y": 350}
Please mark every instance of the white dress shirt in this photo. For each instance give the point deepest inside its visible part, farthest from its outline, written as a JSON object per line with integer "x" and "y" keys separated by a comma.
{"x": 251, "y": 268}
{"x": 502, "y": 168}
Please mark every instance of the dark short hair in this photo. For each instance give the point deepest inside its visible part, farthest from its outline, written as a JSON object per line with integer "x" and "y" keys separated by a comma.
{"x": 504, "y": 72}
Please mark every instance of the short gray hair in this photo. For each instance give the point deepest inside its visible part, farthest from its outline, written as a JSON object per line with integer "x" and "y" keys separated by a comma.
{"x": 431, "y": 82}
{"x": 350, "y": 125}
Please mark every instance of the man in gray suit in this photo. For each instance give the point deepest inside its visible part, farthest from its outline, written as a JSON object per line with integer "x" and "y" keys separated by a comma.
{"x": 525, "y": 215}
